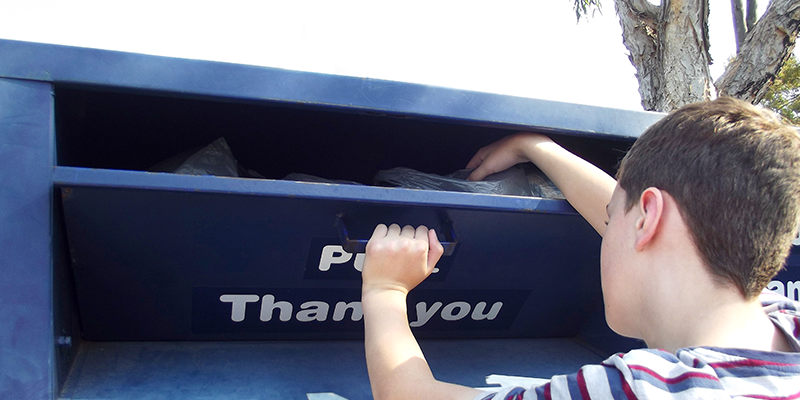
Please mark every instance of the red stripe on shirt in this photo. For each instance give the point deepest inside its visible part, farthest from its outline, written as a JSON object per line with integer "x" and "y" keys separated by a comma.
{"x": 626, "y": 388}
{"x": 790, "y": 397}
{"x": 748, "y": 363}
{"x": 582, "y": 385}
{"x": 679, "y": 378}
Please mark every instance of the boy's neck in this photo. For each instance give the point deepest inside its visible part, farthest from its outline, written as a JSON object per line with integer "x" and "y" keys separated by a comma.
{"x": 718, "y": 317}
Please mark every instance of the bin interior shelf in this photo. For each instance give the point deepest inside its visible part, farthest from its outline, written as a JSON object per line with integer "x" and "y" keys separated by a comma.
{"x": 293, "y": 369}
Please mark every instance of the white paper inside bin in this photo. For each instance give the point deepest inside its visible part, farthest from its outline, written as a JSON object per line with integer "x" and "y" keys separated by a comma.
{"x": 507, "y": 381}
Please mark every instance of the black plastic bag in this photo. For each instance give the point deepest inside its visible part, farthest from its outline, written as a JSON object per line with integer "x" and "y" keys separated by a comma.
{"x": 215, "y": 159}
{"x": 519, "y": 180}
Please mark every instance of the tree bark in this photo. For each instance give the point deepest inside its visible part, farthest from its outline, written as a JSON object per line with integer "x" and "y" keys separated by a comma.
{"x": 668, "y": 45}
{"x": 640, "y": 36}
{"x": 764, "y": 51}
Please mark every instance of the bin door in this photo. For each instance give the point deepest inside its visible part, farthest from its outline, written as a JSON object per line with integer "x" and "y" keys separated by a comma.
{"x": 169, "y": 257}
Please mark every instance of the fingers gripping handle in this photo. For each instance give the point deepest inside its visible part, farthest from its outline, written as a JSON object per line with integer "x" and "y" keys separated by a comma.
{"x": 360, "y": 245}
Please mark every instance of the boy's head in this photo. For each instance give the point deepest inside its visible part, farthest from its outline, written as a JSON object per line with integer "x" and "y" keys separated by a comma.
{"x": 734, "y": 171}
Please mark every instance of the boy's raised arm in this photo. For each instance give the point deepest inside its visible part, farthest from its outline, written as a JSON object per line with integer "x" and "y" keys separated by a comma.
{"x": 397, "y": 260}
{"x": 585, "y": 186}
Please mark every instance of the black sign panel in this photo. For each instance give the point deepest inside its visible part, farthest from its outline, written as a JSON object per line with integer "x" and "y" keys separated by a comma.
{"x": 251, "y": 310}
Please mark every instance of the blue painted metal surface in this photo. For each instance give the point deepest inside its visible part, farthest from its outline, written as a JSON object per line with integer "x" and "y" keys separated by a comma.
{"x": 26, "y": 313}
{"x": 203, "y": 78}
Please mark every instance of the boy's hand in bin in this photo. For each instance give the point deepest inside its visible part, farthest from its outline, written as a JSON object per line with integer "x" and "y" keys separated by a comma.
{"x": 504, "y": 154}
{"x": 400, "y": 258}
{"x": 587, "y": 188}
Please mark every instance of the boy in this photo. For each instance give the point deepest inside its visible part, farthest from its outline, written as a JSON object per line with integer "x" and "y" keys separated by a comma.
{"x": 701, "y": 219}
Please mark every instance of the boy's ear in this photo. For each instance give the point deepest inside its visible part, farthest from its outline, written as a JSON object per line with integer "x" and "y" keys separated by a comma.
{"x": 651, "y": 205}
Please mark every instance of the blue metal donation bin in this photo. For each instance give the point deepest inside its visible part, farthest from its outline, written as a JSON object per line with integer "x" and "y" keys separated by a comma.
{"x": 121, "y": 282}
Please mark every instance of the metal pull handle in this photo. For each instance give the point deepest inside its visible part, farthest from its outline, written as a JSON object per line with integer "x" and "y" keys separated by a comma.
{"x": 360, "y": 245}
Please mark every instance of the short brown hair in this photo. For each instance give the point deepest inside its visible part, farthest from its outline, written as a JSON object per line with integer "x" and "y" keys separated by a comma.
{"x": 734, "y": 171}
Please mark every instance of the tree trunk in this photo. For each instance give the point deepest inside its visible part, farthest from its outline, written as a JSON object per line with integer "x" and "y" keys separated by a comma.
{"x": 640, "y": 36}
{"x": 750, "y": 20}
{"x": 739, "y": 26}
{"x": 742, "y": 25}
{"x": 764, "y": 51}
{"x": 668, "y": 45}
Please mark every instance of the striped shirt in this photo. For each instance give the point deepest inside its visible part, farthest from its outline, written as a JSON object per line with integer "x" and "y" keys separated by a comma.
{"x": 691, "y": 373}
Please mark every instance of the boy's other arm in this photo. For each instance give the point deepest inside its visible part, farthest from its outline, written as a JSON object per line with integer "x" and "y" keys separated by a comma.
{"x": 585, "y": 186}
{"x": 397, "y": 260}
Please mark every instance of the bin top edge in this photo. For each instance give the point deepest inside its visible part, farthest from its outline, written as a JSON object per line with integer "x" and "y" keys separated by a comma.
{"x": 187, "y": 77}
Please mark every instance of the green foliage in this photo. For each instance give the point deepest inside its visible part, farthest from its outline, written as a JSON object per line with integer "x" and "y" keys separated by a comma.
{"x": 783, "y": 96}
{"x": 582, "y": 8}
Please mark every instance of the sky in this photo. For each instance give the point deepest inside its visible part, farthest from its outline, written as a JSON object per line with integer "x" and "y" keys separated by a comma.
{"x": 527, "y": 48}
